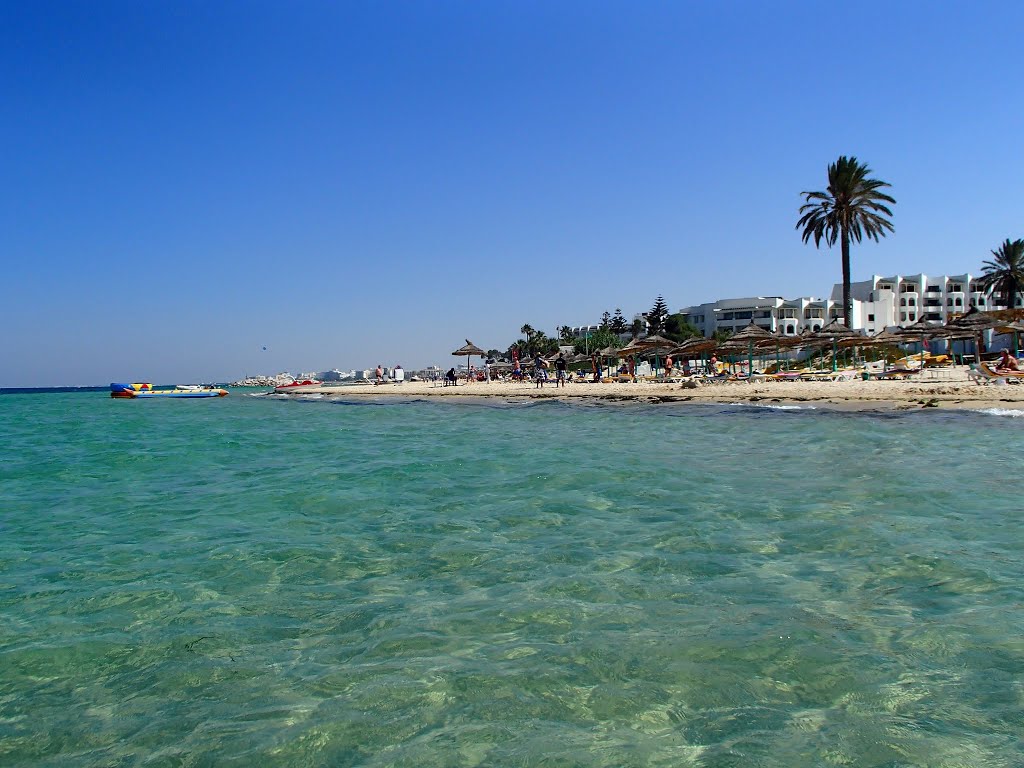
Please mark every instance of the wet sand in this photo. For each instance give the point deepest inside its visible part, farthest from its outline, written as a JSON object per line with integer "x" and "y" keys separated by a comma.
{"x": 955, "y": 391}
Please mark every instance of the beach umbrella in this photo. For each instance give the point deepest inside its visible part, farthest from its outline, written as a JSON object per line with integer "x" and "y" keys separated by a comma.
{"x": 780, "y": 343}
{"x": 468, "y": 350}
{"x": 1016, "y": 329}
{"x": 654, "y": 344}
{"x": 922, "y": 330}
{"x": 747, "y": 337}
{"x": 648, "y": 345}
{"x": 975, "y": 322}
{"x": 883, "y": 338}
{"x": 696, "y": 345}
{"x": 833, "y": 332}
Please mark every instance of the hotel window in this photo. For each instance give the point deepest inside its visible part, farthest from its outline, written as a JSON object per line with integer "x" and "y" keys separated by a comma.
{"x": 949, "y": 302}
{"x": 912, "y": 303}
{"x": 903, "y": 317}
{"x": 903, "y": 302}
{"x": 934, "y": 288}
{"x": 957, "y": 287}
{"x": 981, "y": 301}
{"x": 912, "y": 317}
{"x": 871, "y": 318}
{"x": 959, "y": 302}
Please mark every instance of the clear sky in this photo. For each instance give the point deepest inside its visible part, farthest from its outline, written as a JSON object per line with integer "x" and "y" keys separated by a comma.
{"x": 346, "y": 184}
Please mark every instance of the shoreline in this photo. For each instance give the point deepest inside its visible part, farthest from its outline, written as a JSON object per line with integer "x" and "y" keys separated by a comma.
{"x": 840, "y": 395}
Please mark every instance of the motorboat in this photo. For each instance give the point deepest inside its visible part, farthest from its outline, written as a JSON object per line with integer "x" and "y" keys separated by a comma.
{"x": 145, "y": 390}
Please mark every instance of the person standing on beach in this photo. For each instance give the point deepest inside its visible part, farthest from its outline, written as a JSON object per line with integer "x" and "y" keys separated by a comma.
{"x": 560, "y": 371}
{"x": 538, "y": 370}
{"x": 487, "y": 371}
{"x": 380, "y": 374}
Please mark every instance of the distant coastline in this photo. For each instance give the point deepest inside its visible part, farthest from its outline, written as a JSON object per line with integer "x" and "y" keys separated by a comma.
{"x": 49, "y": 390}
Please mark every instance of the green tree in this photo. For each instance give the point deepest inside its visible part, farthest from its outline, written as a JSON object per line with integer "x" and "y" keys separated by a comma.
{"x": 493, "y": 354}
{"x": 566, "y": 335}
{"x": 606, "y": 319}
{"x": 637, "y": 327}
{"x": 527, "y": 331}
{"x": 850, "y": 208}
{"x": 1004, "y": 274}
{"x": 656, "y": 316}
{"x": 599, "y": 339}
{"x": 678, "y": 328}
{"x": 618, "y": 324}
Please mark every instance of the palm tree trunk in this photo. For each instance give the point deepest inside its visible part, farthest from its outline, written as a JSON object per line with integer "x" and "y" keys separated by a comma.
{"x": 847, "y": 301}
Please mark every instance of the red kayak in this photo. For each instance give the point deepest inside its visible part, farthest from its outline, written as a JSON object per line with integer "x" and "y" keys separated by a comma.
{"x": 296, "y": 384}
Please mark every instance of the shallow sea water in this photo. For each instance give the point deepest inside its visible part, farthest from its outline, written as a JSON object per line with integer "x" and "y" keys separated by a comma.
{"x": 250, "y": 581}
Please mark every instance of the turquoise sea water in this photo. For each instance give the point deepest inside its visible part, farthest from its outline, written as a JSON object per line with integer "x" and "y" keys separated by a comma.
{"x": 250, "y": 581}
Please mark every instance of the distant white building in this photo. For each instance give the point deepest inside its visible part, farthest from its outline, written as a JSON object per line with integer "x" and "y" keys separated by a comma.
{"x": 878, "y": 303}
{"x": 903, "y": 300}
{"x": 786, "y": 317}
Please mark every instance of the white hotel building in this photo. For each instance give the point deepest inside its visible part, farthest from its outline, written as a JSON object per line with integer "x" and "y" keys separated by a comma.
{"x": 878, "y": 303}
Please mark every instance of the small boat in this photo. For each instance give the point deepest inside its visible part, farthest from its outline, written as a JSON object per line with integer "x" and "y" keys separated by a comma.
{"x": 135, "y": 391}
{"x": 296, "y": 385}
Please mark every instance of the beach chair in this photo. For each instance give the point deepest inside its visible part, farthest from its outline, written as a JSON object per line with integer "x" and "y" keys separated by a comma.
{"x": 984, "y": 373}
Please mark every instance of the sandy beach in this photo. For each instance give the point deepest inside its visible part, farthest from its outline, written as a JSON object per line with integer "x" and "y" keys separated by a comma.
{"x": 948, "y": 389}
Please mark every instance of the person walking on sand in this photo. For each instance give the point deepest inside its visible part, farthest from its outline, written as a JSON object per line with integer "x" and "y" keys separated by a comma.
{"x": 380, "y": 374}
{"x": 560, "y": 371}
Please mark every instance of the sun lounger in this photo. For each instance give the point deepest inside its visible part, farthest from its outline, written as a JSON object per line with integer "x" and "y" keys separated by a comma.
{"x": 896, "y": 374}
{"x": 984, "y": 373}
{"x": 843, "y": 375}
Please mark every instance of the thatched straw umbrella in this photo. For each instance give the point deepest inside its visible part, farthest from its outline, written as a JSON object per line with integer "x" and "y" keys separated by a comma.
{"x": 468, "y": 350}
{"x": 747, "y": 337}
{"x": 698, "y": 345}
{"x": 648, "y": 345}
{"x": 780, "y": 343}
{"x": 880, "y": 339}
{"x": 973, "y": 323}
{"x": 832, "y": 333}
{"x": 922, "y": 330}
{"x": 1016, "y": 329}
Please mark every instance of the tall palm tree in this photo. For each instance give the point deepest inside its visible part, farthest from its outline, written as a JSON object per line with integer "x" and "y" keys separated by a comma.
{"x": 852, "y": 206}
{"x": 1005, "y": 273}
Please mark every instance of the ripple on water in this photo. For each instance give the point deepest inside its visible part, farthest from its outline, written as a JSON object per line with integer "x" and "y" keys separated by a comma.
{"x": 435, "y": 584}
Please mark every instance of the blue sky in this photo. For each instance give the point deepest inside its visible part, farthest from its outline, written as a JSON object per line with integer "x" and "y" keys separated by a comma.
{"x": 349, "y": 184}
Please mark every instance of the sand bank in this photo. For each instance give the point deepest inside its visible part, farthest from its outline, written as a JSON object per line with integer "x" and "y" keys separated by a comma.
{"x": 952, "y": 393}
